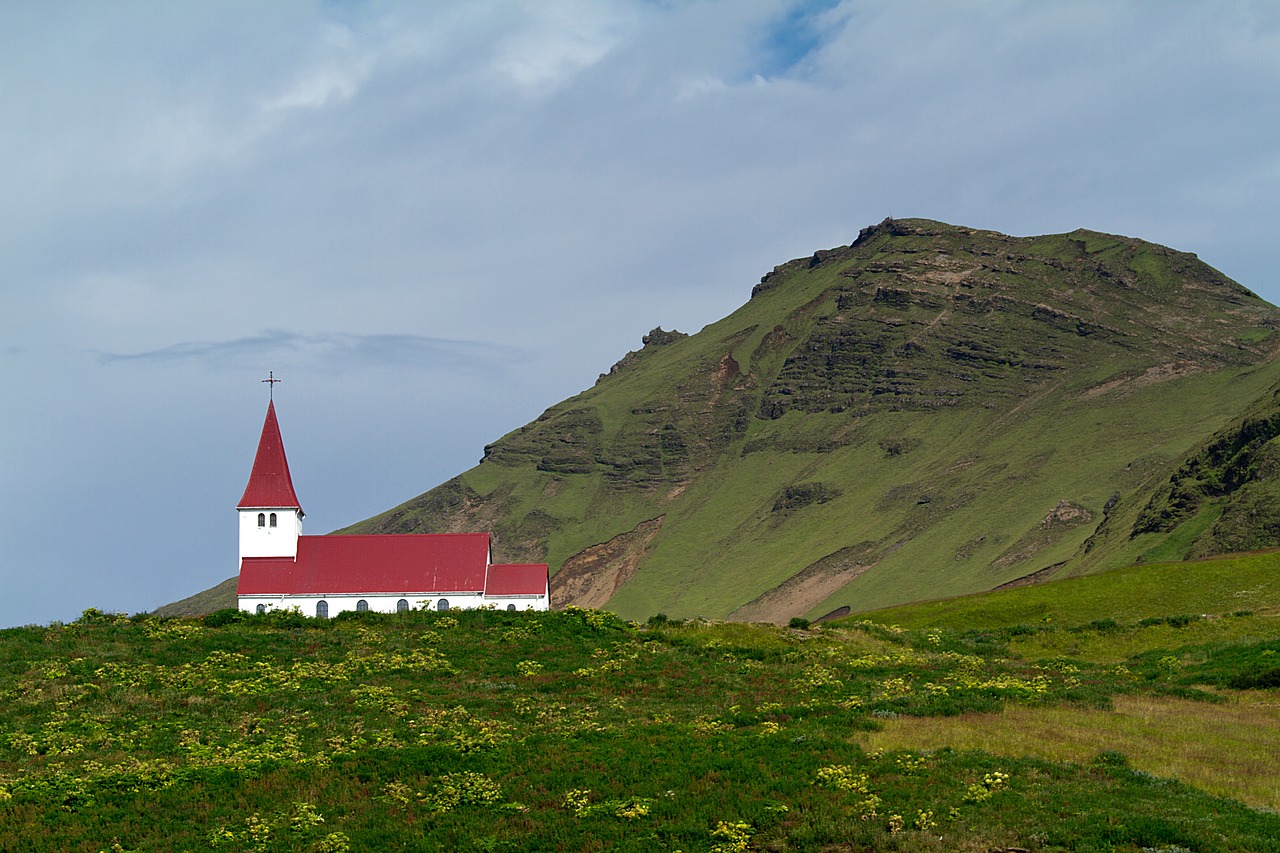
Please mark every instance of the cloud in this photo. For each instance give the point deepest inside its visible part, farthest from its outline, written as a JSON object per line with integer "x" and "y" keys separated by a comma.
{"x": 558, "y": 40}
{"x": 329, "y": 350}
{"x": 344, "y": 64}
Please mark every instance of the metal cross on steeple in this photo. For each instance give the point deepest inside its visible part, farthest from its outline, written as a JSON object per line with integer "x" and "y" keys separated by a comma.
{"x": 271, "y": 384}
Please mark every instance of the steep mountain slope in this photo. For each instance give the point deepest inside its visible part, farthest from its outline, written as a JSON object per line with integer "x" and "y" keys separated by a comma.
{"x": 1226, "y": 495}
{"x": 930, "y": 411}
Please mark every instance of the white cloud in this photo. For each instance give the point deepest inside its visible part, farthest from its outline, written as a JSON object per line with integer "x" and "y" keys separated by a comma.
{"x": 557, "y": 40}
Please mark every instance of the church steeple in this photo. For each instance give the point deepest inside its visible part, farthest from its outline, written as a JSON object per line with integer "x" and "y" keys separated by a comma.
{"x": 269, "y": 483}
{"x": 270, "y": 514}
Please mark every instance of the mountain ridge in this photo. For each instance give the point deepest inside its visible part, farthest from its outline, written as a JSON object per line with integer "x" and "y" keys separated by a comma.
{"x": 930, "y": 410}
{"x": 820, "y": 435}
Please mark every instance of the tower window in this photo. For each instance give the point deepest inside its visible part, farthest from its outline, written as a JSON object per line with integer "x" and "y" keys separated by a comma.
{"x": 511, "y": 607}
{"x": 262, "y": 519}
{"x": 362, "y": 606}
{"x": 273, "y": 519}
{"x": 402, "y": 605}
{"x": 262, "y": 608}
{"x": 442, "y": 604}
{"x": 322, "y": 609}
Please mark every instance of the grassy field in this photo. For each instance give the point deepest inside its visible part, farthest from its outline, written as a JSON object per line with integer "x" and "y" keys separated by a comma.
{"x": 575, "y": 730}
{"x": 1222, "y": 585}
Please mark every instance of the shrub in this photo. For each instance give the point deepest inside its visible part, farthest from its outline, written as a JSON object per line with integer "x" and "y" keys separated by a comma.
{"x": 799, "y": 623}
{"x": 219, "y": 618}
{"x": 1256, "y": 679}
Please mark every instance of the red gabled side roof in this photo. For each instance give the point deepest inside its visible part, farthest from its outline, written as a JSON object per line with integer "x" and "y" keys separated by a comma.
{"x": 517, "y": 579}
{"x": 269, "y": 483}
{"x": 404, "y": 563}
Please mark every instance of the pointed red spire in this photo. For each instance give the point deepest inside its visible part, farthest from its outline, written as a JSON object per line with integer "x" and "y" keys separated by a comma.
{"x": 270, "y": 484}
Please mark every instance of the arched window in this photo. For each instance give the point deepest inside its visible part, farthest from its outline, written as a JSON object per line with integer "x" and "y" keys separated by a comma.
{"x": 511, "y": 607}
{"x": 442, "y": 604}
{"x": 273, "y": 519}
{"x": 362, "y": 606}
{"x": 402, "y": 606}
{"x": 262, "y": 608}
{"x": 322, "y": 609}
{"x": 262, "y": 519}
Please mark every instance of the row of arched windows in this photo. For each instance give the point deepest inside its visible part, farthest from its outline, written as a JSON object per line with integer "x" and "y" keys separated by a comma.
{"x": 362, "y": 606}
{"x": 262, "y": 519}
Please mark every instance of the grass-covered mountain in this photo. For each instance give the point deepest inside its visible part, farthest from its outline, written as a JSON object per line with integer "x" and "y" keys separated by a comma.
{"x": 1128, "y": 711}
{"x": 930, "y": 411}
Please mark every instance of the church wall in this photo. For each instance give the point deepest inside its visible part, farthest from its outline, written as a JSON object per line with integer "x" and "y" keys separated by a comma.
{"x": 306, "y": 604}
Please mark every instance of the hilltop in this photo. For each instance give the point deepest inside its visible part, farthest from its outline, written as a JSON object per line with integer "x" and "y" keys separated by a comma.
{"x": 929, "y": 411}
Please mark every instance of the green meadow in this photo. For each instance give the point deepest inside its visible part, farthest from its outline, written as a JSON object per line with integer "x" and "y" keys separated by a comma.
{"x": 1007, "y": 722}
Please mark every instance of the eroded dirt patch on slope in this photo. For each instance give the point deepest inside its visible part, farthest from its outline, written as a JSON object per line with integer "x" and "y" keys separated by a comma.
{"x": 591, "y": 577}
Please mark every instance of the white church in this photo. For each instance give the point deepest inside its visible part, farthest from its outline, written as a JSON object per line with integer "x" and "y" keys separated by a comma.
{"x": 325, "y": 575}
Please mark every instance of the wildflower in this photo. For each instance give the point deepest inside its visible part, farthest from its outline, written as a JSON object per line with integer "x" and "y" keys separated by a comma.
{"x": 632, "y": 809}
{"x": 466, "y": 788}
{"x": 577, "y": 801}
{"x": 983, "y": 790}
{"x": 734, "y": 837}
{"x": 817, "y": 675}
{"x": 841, "y": 778}
{"x": 891, "y": 687}
{"x": 334, "y": 842}
{"x": 710, "y": 726}
{"x": 304, "y": 817}
{"x": 398, "y": 791}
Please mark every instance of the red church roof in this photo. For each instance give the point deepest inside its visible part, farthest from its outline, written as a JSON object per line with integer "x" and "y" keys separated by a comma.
{"x": 516, "y": 579}
{"x": 404, "y": 563}
{"x": 269, "y": 483}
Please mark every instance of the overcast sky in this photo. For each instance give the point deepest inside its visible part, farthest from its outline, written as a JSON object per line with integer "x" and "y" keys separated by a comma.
{"x": 435, "y": 220}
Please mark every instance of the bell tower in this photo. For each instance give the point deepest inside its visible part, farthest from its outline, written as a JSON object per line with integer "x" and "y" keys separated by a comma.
{"x": 270, "y": 515}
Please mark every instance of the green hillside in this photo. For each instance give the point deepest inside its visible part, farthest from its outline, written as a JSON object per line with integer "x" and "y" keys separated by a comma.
{"x": 1239, "y": 582}
{"x": 928, "y": 412}
{"x": 573, "y": 730}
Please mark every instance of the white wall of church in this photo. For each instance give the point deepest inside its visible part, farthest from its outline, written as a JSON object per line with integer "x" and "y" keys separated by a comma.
{"x": 336, "y": 604}
{"x": 268, "y": 541}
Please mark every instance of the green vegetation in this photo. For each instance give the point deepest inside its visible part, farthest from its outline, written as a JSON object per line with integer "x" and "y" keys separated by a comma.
{"x": 930, "y": 408}
{"x": 1216, "y": 586}
{"x": 575, "y": 730}
{"x": 1220, "y": 635}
